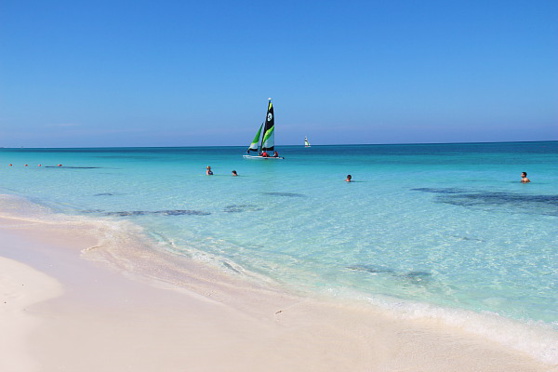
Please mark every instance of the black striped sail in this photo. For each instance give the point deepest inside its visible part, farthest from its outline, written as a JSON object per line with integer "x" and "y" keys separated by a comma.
{"x": 268, "y": 139}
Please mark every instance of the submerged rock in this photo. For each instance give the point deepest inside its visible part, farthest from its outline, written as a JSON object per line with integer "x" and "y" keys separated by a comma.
{"x": 171, "y": 212}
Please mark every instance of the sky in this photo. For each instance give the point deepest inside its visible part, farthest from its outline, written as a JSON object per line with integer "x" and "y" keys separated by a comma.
{"x": 199, "y": 73}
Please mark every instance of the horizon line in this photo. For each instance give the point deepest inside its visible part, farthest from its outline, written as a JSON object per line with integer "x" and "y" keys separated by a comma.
{"x": 295, "y": 145}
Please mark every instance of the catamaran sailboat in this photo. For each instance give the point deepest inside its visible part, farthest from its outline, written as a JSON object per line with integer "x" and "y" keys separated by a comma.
{"x": 264, "y": 141}
{"x": 306, "y": 142}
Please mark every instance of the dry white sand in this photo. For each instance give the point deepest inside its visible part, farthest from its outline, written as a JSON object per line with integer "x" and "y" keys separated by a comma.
{"x": 20, "y": 287}
{"x": 69, "y": 313}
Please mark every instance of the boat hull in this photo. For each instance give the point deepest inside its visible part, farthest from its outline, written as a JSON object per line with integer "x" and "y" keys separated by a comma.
{"x": 258, "y": 157}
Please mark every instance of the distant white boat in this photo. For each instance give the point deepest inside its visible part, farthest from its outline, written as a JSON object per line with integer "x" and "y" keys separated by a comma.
{"x": 264, "y": 143}
{"x": 306, "y": 142}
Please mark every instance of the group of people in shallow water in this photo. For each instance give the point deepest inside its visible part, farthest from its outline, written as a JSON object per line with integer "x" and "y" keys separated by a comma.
{"x": 349, "y": 178}
{"x": 524, "y": 178}
{"x": 209, "y": 172}
{"x": 38, "y": 165}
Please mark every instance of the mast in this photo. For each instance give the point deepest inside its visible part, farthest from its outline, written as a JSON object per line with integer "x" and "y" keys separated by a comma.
{"x": 268, "y": 143}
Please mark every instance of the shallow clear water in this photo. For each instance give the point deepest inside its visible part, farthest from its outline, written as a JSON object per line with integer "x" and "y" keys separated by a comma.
{"x": 448, "y": 225}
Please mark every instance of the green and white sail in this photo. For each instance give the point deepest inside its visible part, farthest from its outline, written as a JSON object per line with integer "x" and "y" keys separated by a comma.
{"x": 256, "y": 141}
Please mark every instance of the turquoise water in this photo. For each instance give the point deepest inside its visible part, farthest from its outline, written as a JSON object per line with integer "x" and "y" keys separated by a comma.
{"x": 446, "y": 225}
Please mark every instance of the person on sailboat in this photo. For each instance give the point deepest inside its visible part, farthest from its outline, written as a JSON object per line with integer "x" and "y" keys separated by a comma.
{"x": 275, "y": 154}
{"x": 265, "y": 154}
{"x": 208, "y": 171}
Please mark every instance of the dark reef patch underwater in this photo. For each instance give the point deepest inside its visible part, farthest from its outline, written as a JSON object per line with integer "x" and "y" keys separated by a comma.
{"x": 171, "y": 212}
{"x": 239, "y": 208}
{"x": 70, "y": 167}
{"x": 414, "y": 277}
{"x": 286, "y": 194}
{"x": 546, "y": 205}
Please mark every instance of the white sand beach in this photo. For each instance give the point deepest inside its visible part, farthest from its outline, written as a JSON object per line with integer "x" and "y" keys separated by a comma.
{"x": 61, "y": 311}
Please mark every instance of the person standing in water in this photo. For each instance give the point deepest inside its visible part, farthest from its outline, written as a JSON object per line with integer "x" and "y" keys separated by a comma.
{"x": 208, "y": 171}
{"x": 524, "y": 178}
{"x": 234, "y": 173}
{"x": 349, "y": 178}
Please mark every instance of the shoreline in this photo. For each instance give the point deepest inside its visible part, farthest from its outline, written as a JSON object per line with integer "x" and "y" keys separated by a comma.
{"x": 211, "y": 322}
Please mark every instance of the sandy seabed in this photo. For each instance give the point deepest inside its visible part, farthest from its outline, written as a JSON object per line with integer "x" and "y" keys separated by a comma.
{"x": 62, "y": 308}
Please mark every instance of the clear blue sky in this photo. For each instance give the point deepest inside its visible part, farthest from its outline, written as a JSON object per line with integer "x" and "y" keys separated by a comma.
{"x": 185, "y": 73}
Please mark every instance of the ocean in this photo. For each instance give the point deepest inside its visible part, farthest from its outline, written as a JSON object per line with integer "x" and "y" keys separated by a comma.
{"x": 443, "y": 231}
